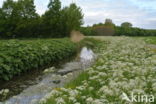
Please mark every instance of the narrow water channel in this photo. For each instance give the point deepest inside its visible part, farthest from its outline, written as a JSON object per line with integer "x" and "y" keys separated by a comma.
{"x": 42, "y": 82}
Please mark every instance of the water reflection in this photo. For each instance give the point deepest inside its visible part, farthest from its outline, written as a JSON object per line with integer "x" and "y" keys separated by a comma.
{"x": 86, "y": 54}
{"x": 86, "y": 57}
{"x": 69, "y": 71}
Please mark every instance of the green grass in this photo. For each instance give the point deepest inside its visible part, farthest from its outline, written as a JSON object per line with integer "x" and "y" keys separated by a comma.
{"x": 89, "y": 42}
{"x": 78, "y": 81}
{"x": 149, "y": 40}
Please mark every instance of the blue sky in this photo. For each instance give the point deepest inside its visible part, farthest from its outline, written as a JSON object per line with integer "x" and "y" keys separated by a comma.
{"x": 141, "y": 13}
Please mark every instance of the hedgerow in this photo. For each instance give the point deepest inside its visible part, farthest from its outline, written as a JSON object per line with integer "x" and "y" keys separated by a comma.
{"x": 18, "y": 56}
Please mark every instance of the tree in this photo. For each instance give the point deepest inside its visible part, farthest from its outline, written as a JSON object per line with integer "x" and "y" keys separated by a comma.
{"x": 7, "y": 20}
{"x": 126, "y": 24}
{"x": 54, "y": 5}
{"x": 28, "y": 18}
{"x": 99, "y": 24}
{"x": 51, "y": 18}
{"x": 72, "y": 18}
{"x": 2, "y": 23}
{"x": 18, "y": 18}
{"x": 87, "y": 31}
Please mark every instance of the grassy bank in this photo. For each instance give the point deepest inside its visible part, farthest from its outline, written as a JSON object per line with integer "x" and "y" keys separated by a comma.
{"x": 124, "y": 67}
{"x": 149, "y": 40}
{"x": 18, "y": 56}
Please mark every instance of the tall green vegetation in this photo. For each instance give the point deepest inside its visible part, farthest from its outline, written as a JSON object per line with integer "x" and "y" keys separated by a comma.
{"x": 72, "y": 18}
{"x": 108, "y": 28}
{"x": 133, "y": 31}
{"x": 60, "y": 22}
{"x": 7, "y": 22}
{"x": 126, "y": 29}
{"x": 18, "y": 56}
{"x": 52, "y": 18}
{"x": 88, "y": 31}
{"x": 102, "y": 29}
{"x": 19, "y": 19}
{"x": 126, "y": 24}
{"x": 27, "y": 18}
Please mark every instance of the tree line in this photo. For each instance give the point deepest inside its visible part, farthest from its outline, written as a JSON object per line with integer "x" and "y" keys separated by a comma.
{"x": 109, "y": 28}
{"x": 19, "y": 19}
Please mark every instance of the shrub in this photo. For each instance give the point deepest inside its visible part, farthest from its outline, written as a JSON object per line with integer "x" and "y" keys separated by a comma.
{"x": 17, "y": 56}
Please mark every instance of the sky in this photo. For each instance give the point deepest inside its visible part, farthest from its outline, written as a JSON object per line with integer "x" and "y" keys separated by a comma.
{"x": 141, "y": 13}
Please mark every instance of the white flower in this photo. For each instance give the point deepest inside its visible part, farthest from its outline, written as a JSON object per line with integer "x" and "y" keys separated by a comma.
{"x": 80, "y": 88}
{"x": 4, "y": 91}
{"x": 77, "y": 103}
{"x": 73, "y": 93}
{"x": 89, "y": 100}
{"x": 91, "y": 88}
{"x": 49, "y": 70}
{"x": 65, "y": 76}
{"x": 54, "y": 93}
{"x": 69, "y": 74}
{"x": 97, "y": 101}
{"x": 64, "y": 89}
{"x": 73, "y": 99}
{"x": 34, "y": 101}
{"x": 43, "y": 101}
{"x": 83, "y": 97}
{"x": 60, "y": 100}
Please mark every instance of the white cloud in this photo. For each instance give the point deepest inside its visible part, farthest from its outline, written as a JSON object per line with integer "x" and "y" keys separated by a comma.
{"x": 1, "y": 2}
{"x": 41, "y": 6}
{"x": 119, "y": 11}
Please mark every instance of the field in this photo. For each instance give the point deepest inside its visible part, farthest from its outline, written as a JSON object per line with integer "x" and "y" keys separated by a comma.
{"x": 124, "y": 73}
{"x": 18, "y": 56}
{"x": 150, "y": 40}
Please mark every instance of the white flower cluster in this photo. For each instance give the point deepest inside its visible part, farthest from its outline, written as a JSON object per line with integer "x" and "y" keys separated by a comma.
{"x": 125, "y": 65}
{"x": 4, "y": 91}
{"x": 49, "y": 70}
